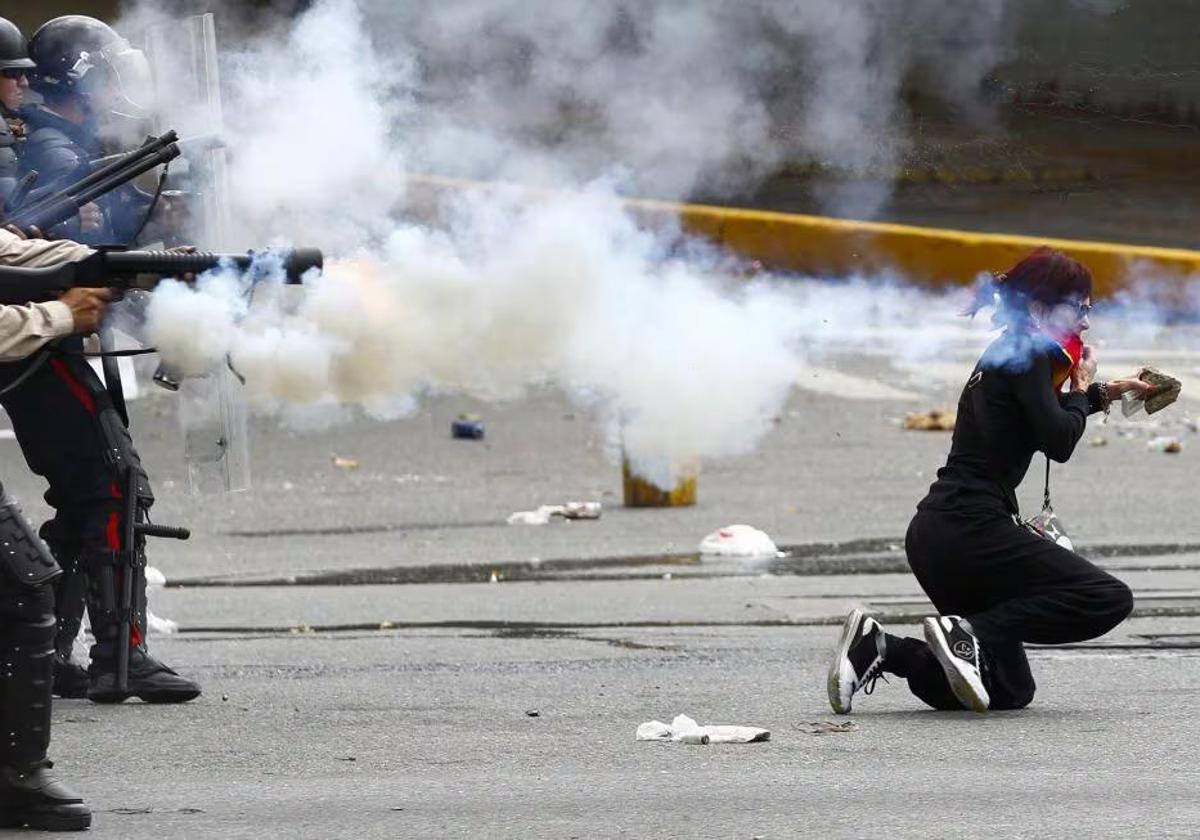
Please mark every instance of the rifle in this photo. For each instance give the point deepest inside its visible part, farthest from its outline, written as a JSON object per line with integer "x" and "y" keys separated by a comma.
{"x": 56, "y": 207}
{"x": 125, "y": 270}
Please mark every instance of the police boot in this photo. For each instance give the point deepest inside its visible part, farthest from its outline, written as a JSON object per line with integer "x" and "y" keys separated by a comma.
{"x": 149, "y": 680}
{"x": 70, "y": 591}
{"x": 70, "y": 678}
{"x": 31, "y": 797}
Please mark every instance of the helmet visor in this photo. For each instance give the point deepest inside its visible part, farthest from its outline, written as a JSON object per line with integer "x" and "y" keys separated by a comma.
{"x": 131, "y": 73}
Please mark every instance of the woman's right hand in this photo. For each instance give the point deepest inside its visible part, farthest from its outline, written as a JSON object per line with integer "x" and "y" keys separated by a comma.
{"x": 1117, "y": 387}
{"x": 1085, "y": 372}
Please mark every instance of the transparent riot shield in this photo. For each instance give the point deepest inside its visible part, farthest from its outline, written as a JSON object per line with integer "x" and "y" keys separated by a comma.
{"x": 183, "y": 58}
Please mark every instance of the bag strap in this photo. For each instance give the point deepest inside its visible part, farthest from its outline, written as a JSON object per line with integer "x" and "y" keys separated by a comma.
{"x": 1046, "y": 497}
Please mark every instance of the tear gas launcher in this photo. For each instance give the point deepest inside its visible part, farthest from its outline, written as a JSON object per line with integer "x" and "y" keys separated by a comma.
{"x": 44, "y": 208}
{"x": 126, "y": 270}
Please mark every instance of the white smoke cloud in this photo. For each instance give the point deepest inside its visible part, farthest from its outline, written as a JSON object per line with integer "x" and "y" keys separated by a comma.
{"x": 681, "y": 359}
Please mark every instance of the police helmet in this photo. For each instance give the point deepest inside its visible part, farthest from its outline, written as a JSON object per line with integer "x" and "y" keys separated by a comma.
{"x": 81, "y": 55}
{"x": 13, "y": 55}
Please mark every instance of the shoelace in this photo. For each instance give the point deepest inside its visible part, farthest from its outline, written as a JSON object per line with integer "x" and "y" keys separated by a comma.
{"x": 873, "y": 675}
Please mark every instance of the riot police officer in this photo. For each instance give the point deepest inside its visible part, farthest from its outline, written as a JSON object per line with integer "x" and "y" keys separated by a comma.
{"x": 14, "y": 67}
{"x": 29, "y": 794}
{"x": 65, "y": 422}
{"x": 85, "y": 73}
{"x": 72, "y": 435}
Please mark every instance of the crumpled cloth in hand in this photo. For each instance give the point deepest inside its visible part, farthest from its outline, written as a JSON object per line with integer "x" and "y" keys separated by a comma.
{"x": 686, "y": 730}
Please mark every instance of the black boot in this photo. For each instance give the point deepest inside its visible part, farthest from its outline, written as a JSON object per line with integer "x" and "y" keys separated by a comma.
{"x": 70, "y": 678}
{"x": 149, "y": 679}
{"x": 31, "y": 797}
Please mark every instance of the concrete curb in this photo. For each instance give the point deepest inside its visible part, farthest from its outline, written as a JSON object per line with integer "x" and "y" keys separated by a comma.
{"x": 930, "y": 256}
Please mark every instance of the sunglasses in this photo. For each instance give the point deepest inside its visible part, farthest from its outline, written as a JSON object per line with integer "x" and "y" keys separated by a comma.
{"x": 1083, "y": 309}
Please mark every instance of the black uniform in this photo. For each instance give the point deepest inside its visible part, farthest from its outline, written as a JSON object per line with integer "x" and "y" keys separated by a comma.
{"x": 967, "y": 547}
{"x": 28, "y": 794}
{"x": 61, "y": 152}
{"x": 72, "y": 436}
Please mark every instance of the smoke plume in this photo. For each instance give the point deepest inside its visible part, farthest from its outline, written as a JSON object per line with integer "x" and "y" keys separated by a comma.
{"x": 681, "y": 359}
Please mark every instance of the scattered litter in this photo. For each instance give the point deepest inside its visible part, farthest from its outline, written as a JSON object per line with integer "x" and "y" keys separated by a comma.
{"x": 1098, "y": 442}
{"x": 1165, "y": 443}
{"x": 739, "y": 541}
{"x": 935, "y": 420}
{"x": 532, "y": 713}
{"x": 467, "y": 427}
{"x": 667, "y": 576}
{"x": 543, "y": 515}
{"x": 826, "y": 727}
{"x": 343, "y": 463}
{"x": 685, "y": 730}
{"x": 495, "y": 578}
{"x": 157, "y": 625}
{"x": 1192, "y": 425}
{"x": 581, "y": 510}
{"x": 224, "y": 698}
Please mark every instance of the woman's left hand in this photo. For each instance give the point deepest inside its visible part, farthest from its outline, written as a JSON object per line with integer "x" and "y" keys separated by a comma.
{"x": 1133, "y": 385}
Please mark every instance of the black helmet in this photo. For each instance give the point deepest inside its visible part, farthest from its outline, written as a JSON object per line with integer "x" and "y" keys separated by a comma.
{"x": 81, "y": 55}
{"x": 13, "y": 55}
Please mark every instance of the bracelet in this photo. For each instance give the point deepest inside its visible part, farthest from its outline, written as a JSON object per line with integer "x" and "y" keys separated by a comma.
{"x": 1098, "y": 397}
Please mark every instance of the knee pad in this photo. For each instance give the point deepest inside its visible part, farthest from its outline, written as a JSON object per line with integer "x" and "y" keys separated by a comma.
{"x": 23, "y": 556}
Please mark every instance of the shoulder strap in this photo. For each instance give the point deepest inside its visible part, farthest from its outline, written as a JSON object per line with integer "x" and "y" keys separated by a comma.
{"x": 1046, "y": 497}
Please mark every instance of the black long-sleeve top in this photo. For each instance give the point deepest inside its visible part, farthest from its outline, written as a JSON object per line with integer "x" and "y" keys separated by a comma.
{"x": 1009, "y": 409}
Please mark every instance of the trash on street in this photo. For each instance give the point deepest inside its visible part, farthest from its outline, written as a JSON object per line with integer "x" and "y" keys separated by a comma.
{"x": 684, "y": 729}
{"x": 935, "y": 420}
{"x": 739, "y": 541}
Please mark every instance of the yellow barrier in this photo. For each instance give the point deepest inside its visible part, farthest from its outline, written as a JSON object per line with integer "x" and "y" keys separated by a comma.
{"x": 839, "y": 247}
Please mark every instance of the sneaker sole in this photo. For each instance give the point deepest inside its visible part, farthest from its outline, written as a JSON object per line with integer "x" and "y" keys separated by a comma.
{"x": 833, "y": 683}
{"x": 966, "y": 693}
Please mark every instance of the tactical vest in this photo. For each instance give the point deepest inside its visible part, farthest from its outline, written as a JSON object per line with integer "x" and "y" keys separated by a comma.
{"x": 11, "y": 134}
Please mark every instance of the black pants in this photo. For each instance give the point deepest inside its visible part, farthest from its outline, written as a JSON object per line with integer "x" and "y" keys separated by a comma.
{"x": 26, "y": 647}
{"x": 70, "y": 435}
{"x": 1013, "y": 587}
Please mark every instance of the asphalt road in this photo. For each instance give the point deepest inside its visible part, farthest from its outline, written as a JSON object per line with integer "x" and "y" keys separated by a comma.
{"x": 365, "y": 678}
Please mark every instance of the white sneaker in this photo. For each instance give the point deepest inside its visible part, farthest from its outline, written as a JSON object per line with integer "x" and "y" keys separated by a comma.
{"x": 957, "y": 650}
{"x": 857, "y": 661}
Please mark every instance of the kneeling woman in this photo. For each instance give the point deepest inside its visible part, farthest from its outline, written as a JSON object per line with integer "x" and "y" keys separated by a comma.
{"x": 994, "y": 583}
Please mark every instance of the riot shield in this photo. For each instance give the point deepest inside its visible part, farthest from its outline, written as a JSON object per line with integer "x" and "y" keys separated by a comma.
{"x": 184, "y": 61}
